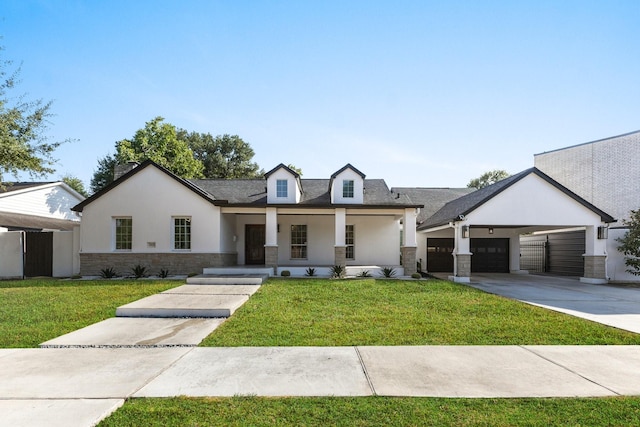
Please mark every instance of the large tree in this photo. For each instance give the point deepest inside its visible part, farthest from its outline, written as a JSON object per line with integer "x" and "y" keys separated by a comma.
{"x": 223, "y": 156}
{"x": 103, "y": 176}
{"x": 488, "y": 178}
{"x": 630, "y": 243}
{"x": 159, "y": 141}
{"x": 24, "y": 147}
{"x": 75, "y": 183}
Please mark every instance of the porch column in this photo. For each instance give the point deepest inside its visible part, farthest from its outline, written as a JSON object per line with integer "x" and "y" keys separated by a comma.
{"x": 271, "y": 239}
{"x": 340, "y": 248}
{"x": 514, "y": 254}
{"x": 461, "y": 254}
{"x": 410, "y": 243}
{"x": 595, "y": 258}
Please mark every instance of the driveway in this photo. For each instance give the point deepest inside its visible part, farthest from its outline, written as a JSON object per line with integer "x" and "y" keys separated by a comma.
{"x": 616, "y": 306}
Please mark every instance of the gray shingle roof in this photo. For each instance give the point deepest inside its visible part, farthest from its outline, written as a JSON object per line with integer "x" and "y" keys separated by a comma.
{"x": 432, "y": 198}
{"x": 16, "y": 221}
{"x": 8, "y": 187}
{"x": 466, "y": 204}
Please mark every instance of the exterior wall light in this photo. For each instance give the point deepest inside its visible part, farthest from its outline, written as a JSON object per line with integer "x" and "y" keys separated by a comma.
{"x": 490, "y": 230}
{"x": 603, "y": 232}
{"x": 465, "y": 231}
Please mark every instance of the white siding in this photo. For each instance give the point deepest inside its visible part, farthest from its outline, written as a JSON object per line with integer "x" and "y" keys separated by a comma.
{"x": 151, "y": 199}
{"x": 293, "y": 194}
{"x": 51, "y": 201}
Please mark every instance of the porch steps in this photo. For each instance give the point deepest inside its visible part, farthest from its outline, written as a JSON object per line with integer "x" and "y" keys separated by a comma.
{"x": 205, "y": 296}
{"x": 227, "y": 279}
{"x": 238, "y": 271}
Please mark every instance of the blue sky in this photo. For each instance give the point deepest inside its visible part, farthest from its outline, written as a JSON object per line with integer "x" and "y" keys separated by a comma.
{"x": 428, "y": 94}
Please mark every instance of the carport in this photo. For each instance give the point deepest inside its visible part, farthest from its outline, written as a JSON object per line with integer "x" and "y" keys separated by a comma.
{"x": 480, "y": 232}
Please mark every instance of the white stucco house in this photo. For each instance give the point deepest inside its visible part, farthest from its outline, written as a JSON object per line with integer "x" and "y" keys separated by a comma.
{"x": 39, "y": 233}
{"x": 606, "y": 173}
{"x": 151, "y": 217}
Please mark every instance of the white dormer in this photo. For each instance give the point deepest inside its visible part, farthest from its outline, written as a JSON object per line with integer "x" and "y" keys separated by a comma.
{"x": 283, "y": 185}
{"x": 347, "y": 186}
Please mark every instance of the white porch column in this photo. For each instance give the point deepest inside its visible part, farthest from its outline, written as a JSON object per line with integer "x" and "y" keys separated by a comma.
{"x": 514, "y": 254}
{"x": 461, "y": 254}
{"x": 271, "y": 227}
{"x": 340, "y": 247}
{"x": 409, "y": 223}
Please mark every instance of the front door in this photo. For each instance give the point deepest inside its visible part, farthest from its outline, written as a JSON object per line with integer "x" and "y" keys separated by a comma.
{"x": 254, "y": 241}
{"x": 39, "y": 257}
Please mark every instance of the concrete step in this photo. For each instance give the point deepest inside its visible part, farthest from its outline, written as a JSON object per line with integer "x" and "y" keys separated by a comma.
{"x": 238, "y": 271}
{"x": 181, "y": 305}
{"x": 192, "y": 289}
{"x": 227, "y": 279}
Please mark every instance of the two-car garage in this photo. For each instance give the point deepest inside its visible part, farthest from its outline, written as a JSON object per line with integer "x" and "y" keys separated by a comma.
{"x": 490, "y": 255}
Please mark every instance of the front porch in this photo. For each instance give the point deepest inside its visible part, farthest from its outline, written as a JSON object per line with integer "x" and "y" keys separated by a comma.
{"x": 322, "y": 271}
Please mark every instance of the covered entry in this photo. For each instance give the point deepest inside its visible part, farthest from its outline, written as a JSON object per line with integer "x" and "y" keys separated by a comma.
{"x": 481, "y": 230}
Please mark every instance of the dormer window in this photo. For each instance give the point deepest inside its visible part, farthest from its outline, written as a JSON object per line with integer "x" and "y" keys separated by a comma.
{"x": 282, "y": 188}
{"x": 347, "y": 189}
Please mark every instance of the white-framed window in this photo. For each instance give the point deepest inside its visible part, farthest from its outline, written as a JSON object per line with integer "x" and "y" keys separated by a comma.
{"x": 123, "y": 231}
{"x": 350, "y": 241}
{"x": 282, "y": 188}
{"x": 182, "y": 233}
{"x": 347, "y": 189}
{"x": 298, "y": 242}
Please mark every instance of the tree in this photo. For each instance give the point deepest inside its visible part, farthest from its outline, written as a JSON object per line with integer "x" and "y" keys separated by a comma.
{"x": 159, "y": 142}
{"x": 75, "y": 183}
{"x": 488, "y": 178}
{"x": 223, "y": 156}
{"x": 295, "y": 169}
{"x": 23, "y": 144}
{"x": 630, "y": 243}
{"x": 104, "y": 175}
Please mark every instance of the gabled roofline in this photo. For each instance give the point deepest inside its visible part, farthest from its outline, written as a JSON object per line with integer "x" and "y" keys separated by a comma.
{"x": 80, "y": 206}
{"x": 605, "y": 217}
{"x": 295, "y": 174}
{"x": 587, "y": 143}
{"x": 345, "y": 167}
{"x": 39, "y": 186}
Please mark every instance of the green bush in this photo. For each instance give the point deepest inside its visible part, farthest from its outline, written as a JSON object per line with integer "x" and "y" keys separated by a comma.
{"x": 285, "y": 273}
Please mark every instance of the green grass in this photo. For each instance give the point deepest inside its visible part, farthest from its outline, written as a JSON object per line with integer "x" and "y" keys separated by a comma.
{"x": 374, "y": 411}
{"x": 317, "y": 312}
{"x": 34, "y": 311}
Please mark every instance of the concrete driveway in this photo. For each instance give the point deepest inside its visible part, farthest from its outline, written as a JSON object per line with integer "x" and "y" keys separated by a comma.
{"x": 616, "y": 306}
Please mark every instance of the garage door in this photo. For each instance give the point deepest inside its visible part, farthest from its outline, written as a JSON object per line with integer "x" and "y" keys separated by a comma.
{"x": 490, "y": 255}
{"x": 439, "y": 258}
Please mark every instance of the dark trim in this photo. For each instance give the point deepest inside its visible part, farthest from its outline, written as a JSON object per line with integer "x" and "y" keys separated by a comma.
{"x": 345, "y": 167}
{"x": 282, "y": 166}
{"x": 225, "y": 203}
{"x": 80, "y": 206}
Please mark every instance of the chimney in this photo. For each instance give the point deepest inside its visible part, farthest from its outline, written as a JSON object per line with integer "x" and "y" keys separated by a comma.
{"x": 123, "y": 168}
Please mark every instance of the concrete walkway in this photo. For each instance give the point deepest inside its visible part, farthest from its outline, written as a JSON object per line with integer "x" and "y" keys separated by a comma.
{"x": 80, "y": 378}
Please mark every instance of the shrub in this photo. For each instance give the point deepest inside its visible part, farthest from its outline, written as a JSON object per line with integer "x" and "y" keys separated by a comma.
{"x": 164, "y": 273}
{"x": 337, "y": 272}
{"x": 364, "y": 273}
{"x": 310, "y": 272}
{"x": 388, "y": 272}
{"x": 139, "y": 271}
{"x": 416, "y": 276}
{"x": 108, "y": 273}
{"x": 285, "y": 273}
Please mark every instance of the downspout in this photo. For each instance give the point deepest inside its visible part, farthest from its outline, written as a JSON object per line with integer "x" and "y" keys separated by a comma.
{"x": 23, "y": 244}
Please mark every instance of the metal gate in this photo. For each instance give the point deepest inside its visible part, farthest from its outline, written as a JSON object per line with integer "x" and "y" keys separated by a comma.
{"x": 533, "y": 255}
{"x": 38, "y": 258}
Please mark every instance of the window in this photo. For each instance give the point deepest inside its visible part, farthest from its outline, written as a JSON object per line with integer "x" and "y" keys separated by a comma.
{"x": 298, "y": 242}
{"x": 282, "y": 188}
{"x": 182, "y": 233}
{"x": 347, "y": 189}
{"x": 350, "y": 241}
{"x": 123, "y": 234}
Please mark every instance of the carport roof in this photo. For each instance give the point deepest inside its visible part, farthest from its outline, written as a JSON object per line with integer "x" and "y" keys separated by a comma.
{"x": 460, "y": 207}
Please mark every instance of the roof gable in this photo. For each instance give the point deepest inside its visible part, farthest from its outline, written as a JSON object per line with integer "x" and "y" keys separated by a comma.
{"x": 459, "y": 208}
{"x": 147, "y": 163}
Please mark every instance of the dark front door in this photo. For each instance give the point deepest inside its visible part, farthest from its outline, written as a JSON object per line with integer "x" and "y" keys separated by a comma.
{"x": 38, "y": 260}
{"x": 254, "y": 244}
{"x": 490, "y": 255}
{"x": 439, "y": 255}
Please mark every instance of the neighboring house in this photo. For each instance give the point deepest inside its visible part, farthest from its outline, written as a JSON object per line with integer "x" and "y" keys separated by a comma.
{"x": 151, "y": 217}
{"x": 482, "y": 229}
{"x": 606, "y": 173}
{"x": 37, "y": 229}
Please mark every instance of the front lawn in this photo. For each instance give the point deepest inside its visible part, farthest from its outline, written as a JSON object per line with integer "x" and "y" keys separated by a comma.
{"x": 375, "y": 411}
{"x": 34, "y": 311}
{"x": 321, "y": 312}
